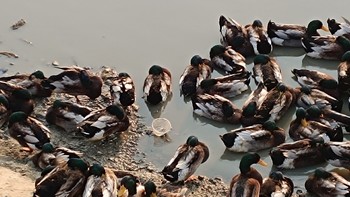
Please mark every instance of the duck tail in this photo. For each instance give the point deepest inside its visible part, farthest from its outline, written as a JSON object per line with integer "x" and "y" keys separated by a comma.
{"x": 339, "y": 117}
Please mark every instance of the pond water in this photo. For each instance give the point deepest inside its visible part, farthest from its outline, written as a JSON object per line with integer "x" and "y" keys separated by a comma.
{"x": 131, "y": 36}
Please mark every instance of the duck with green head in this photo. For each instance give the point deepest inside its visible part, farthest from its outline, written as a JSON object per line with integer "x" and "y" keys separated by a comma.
{"x": 53, "y": 156}
{"x": 277, "y": 185}
{"x": 67, "y": 179}
{"x": 29, "y": 132}
{"x": 75, "y": 81}
{"x": 157, "y": 85}
{"x": 198, "y": 70}
{"x": 227, "y": 86}
{"x": 104, "y": 122}
{"x": 227, "y": 59}
{"x": 267, "y": 71}
{"x": 305, "y": 127}
{"x": 248, "y": 182}
{"x": 298, "y": 154}
{"x": 327, "y": 184}
{"x": 66, "y": 115}
{"x": 128, "y": 186}
{"x": 339, "y": 29}
{"x": 259, "y": 38}
{"x": 254, "y": 138}
{"x": 101, "y": 181}
{"x": 235, "y": 35}
{"x": 188, "y": 157}
{"x": 216, "y": 107}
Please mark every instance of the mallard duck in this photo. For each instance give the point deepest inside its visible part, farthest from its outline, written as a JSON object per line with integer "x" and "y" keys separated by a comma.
{"x": 67, "y": 179}
{"x": 101, "y": 181}
{"x": 276, "y": 185}
{"x": 29, "y": 132}
{"x": 306, "y": 97}
{"x": 249, "y": 181}
{"x": 198, "y": 70}
{"x": 236, "y": 36}
{"x": 267, "y": 71}
{"x": 122, "y": 89}
{"x": 75, "y": 81}
{"x": 50, "y": 156}
{"x": 327, "y": 184}
{"x": 259, "y": 38}
{"x": 251, "y": 104}
{"x": 128, "y": 186}
{"x": 317, "y": 79}
{"x": 4, "y": 109}
{"x": 186, "y": 160}
{"x": 339, "y": 29}
{"x": 290, "y": 35}
{"x": 157, "y": 85}
{"x": 216, "y": 107}
{"x": 227, "y": 59}
{"x": 328, "y": 116}
{"x": 66, "y": 115}
{"x": 254, "y": 138}
{"x": 275, "y": 103}
{"x": 31, "y": 82}
{"x": 303, "y": 127}
{"x": 227, "y": 86}
{"x": 104, "y": 122}
{"x": 326, "y": 47}
{"x": 344, "y": 73}
{"x": 337, "y": 153}
{"x": 297, "y": 154}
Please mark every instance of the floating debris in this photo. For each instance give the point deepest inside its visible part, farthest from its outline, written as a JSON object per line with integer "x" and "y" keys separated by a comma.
{"x": 161, "y": 126}
{"x": 55, "y": 63}
{"x": 18, "y": 24}
{"x": 8, "y": 54}
{"x": 27, "y": 41}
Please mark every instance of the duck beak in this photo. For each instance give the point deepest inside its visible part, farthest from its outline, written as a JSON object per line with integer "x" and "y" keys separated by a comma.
{"x": 121, "y": 191}
{"x": 304, "y": 122}
{"x": 324, "y": 28}
{"x": 261, "y": 162}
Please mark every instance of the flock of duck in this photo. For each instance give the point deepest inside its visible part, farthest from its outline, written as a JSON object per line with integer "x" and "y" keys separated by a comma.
{"x": 317, "y": 130}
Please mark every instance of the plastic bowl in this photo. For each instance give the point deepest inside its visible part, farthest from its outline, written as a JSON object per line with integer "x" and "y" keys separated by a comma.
{"x": 161, "y": 126}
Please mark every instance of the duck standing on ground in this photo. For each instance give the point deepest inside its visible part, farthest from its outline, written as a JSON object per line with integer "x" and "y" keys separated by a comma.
{"x": 157, "y": 85}
{"x": 122, "y": 89}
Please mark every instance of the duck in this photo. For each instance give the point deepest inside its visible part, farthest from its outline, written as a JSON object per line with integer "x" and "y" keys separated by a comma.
{"x": 290, "y": 35}
{"x": 66, "y": 115}
{"x": 67, "y": 179}
{"x": 275, "y": 103}
{"x": 53, "y": 156}
{"x": 122, "y": 89}
{"x": 254, "y": 138}
{"x": 328, "y": 116}
{"x": 251, "y": 104}
{"x": 248, "y": 182}
{"x": 344, "y": 73}
{"x": 104, "y": 122}
{"x": 306, "y": 97}
{"x": 326, "y": 47}
{"x": 235, "y": 35}
{"x": 298, "y": 154}
{"x": 31, "y": 82}
{"x": 4, "y": 110}
{"x": 157, "y": 85}
{"x": 101, "y": 181}
{"x": 29, "y": 132}
{"x": 188, "y": 157}
{"x": 198, "y": 70}
{"x": 337, "y": 153}
{"x": 227, "y": 59}
{"x": 216, "y": 107}
{"x": 259, "y": 38}
{"x": 303, "y": 127}
{"x": 339, "y": 29}
{"x": 327, "y": 184}
{"x": 277, "y": 185}
{"x": 75, "y": 81}
{"x": 128, "y": 186}
{"x": 227, "y": 86}
{"x": 267, "y": 71}
{"x": 317, "y": 79}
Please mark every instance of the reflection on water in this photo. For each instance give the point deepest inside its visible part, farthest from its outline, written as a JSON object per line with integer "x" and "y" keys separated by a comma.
{"x": 130, "y": 36}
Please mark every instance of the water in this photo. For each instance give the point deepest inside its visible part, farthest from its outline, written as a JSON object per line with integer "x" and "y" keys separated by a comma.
{"x": 131, "y": 36}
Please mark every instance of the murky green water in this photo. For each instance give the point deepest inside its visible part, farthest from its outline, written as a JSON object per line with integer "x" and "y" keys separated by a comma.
{"x": 131, "y": 36}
